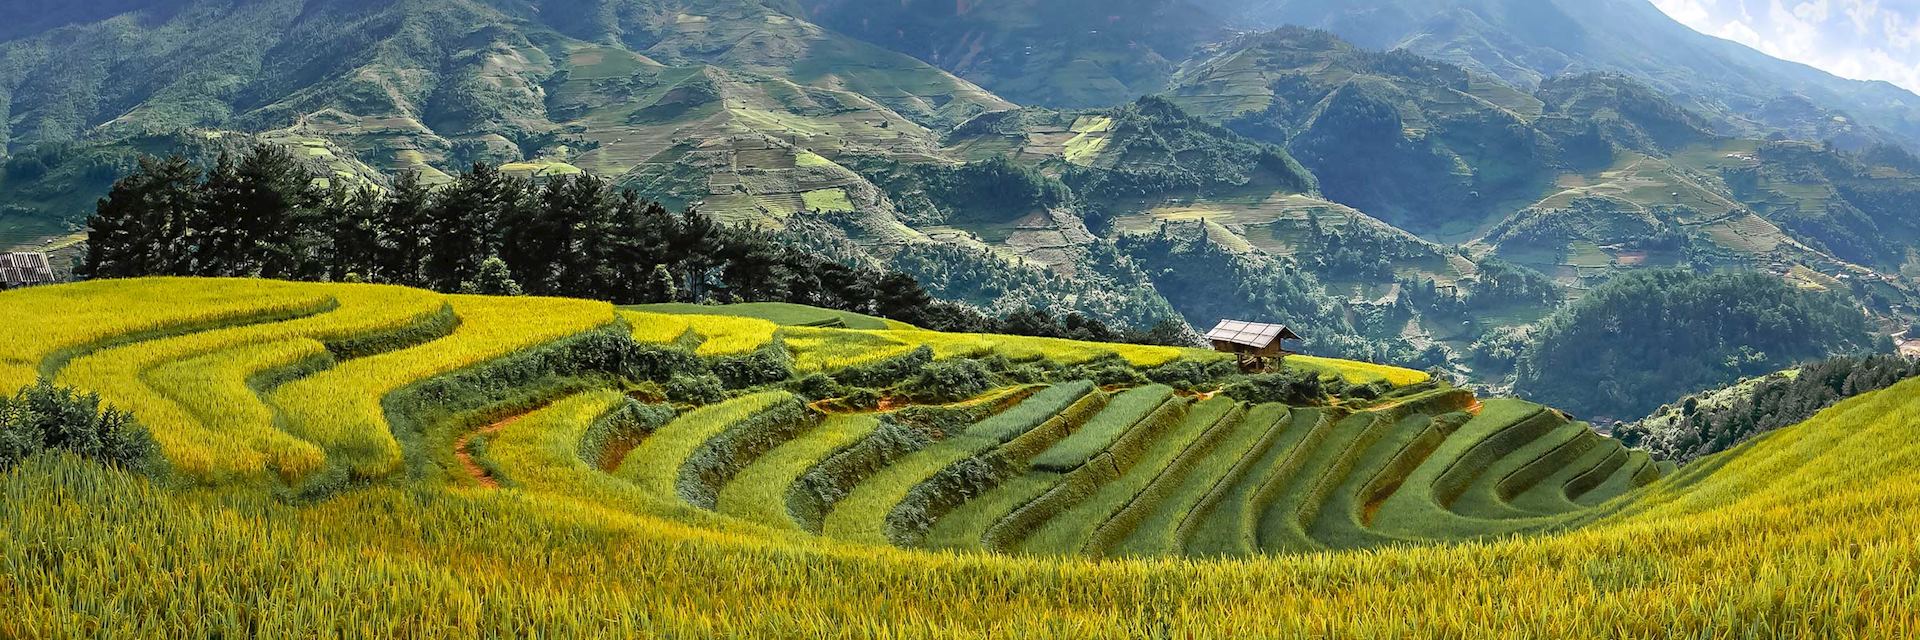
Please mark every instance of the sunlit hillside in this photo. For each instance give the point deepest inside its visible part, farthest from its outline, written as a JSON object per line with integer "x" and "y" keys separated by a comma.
{"x": 375, "y": 461}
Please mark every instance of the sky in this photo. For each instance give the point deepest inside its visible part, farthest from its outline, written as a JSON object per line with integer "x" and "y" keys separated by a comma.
{"x": 1859, "y": 39}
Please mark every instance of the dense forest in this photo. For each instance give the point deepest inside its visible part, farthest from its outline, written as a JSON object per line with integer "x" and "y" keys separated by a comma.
{"x": 264, "y": 214}
{"x": 1714, "y": 421}
{"x": 1629, "y": 345}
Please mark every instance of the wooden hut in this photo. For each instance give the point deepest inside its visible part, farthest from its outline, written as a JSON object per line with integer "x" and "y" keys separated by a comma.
{"x": 24, "y": 270}
{"x": 1259, "y": 346}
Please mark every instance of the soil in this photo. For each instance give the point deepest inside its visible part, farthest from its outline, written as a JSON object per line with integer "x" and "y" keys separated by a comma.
{"x": 474, "y": 469}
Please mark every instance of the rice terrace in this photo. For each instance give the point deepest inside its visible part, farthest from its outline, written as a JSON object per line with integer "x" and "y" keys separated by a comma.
{"x": 361, "y": 460}
{"x": 1001, "y": 319}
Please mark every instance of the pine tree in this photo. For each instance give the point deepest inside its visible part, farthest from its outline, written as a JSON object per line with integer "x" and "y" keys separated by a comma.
{"x": 355, "y": 235}
{"x": 695, "y": 247}
{"x": 462, "y": 225}
{"x": 215, "y": 240}
{"x": 284, "y": 214}
{"x": 638, "y": 235}
{"x": 141, "y": 227}
{"x": 660, "y": 286}
{"x": 551, "y": 247}
{"x": 403, "y": 232}
{"x": 263, "y": 217}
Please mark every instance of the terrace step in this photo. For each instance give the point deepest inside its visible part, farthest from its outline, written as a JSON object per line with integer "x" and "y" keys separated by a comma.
{"x": 1484, "y": 499}
{"x": 1097, "y": 522}
{"x": 1129, "y": 445}
{"x": 1639, "y": 470}
{"x": 1295, "y": 485}
{"x": 1226, "y": 521}
{"x": 759, "y": 493}
{"x": 1163, "y": 529}
{"x": 1549, "y": 495}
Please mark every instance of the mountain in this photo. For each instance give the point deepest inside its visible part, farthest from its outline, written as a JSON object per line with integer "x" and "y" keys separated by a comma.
{"x": 1071, "y": 54}
{"x": 1527, "y": 42}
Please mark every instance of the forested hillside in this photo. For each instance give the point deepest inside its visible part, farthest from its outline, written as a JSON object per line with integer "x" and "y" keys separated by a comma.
{"x": 1614, "y": 349}
{"x": 1709, "y": 422}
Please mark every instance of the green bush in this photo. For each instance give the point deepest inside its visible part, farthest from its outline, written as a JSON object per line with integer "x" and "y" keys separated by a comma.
{"x": 43, "y": 417}
{"x": 721, "y": 457}
{"x": 695, "y": 389}
{"x": 1289, "y": 387}
{"x": 816, "y": 387}
{"x": 951, "y": 380}
{"x": 889, "y": 372}
{"x": 767, "y": 365}
{"x": 628, "y": 423}
{"x": 1191, "y": 374}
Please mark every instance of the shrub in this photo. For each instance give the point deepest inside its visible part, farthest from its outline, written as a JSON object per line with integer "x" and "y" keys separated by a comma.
{"x": 43, "y": 417}
{"x": 1289, "y": 387}
{"x": 695, "y": 389}
{"x": 887, "y": 372}
{"x": 951, "y": 380}
{"x": 1191, "y": 374}
{"x": 816, "y": 386}
{"x": 769, "y": 364}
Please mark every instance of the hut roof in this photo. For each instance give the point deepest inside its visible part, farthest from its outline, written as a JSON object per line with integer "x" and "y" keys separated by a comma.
{"x": 1252, "y": 334}
{"x": 24, "y": 270}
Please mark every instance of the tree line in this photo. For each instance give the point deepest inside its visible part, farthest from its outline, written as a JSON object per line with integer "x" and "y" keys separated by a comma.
{"x": 1715, "y": 421}
{"x": 265, "y": 214}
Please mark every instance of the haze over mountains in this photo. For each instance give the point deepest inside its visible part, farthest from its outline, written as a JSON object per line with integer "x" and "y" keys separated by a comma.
{"x": 1409, "y": 179}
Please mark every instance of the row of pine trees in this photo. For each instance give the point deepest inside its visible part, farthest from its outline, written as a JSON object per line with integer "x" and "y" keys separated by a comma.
{"x": 263, "y": 214}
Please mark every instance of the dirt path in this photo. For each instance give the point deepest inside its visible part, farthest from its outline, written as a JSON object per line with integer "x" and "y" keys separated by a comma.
{"x": 474, "y": 469}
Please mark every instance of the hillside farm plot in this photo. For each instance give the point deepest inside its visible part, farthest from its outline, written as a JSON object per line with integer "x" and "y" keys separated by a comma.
{"x": 717, "y": 500}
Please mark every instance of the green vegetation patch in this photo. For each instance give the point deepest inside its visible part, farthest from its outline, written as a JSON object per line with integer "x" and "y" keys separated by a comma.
{"x": 828, "y": 200}
{"x": 1106, "y": 429}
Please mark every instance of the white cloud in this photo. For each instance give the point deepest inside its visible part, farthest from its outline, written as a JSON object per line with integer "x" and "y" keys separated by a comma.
{"x": 1860, "y": 39}
{"x": 1738, "y": 31}
{"x": 1817, "y": 11}
{"x": 1862, "y": 12}
{"x": 1688, "y": 12}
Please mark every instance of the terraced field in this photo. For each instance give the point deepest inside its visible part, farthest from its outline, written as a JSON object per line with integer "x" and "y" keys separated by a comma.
{"x": 527, "y": 447}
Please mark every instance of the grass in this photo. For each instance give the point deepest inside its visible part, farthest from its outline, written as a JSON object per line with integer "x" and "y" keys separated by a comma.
{"x": 865, "y": 513}
{"x": 730, "y": 336}
{"x": 1125, "y": 413}
{"x": 340, "y": 409}
{"x": 1223, "y": 523}
{"x": 821, "y": 350}
{"x": 1296, "y": 488}
{"x": 656, "y": 464}
{"x": 1092, "y": 137}
{"x": 657, "y": 328}
{"x": 541, "y": 168}
{"x": 1358, "y": 372}
{"x": 827, "y": 200}
{"x": 208, "y": 420}
{"x": 1830, "y": 560}
{"x": 1802, "y": 532}
{"x": 759, "y": 493}
{"x": 781, "y": 313}
{"x": 1075, "y": 529}
{"x": 48, "y": 326}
